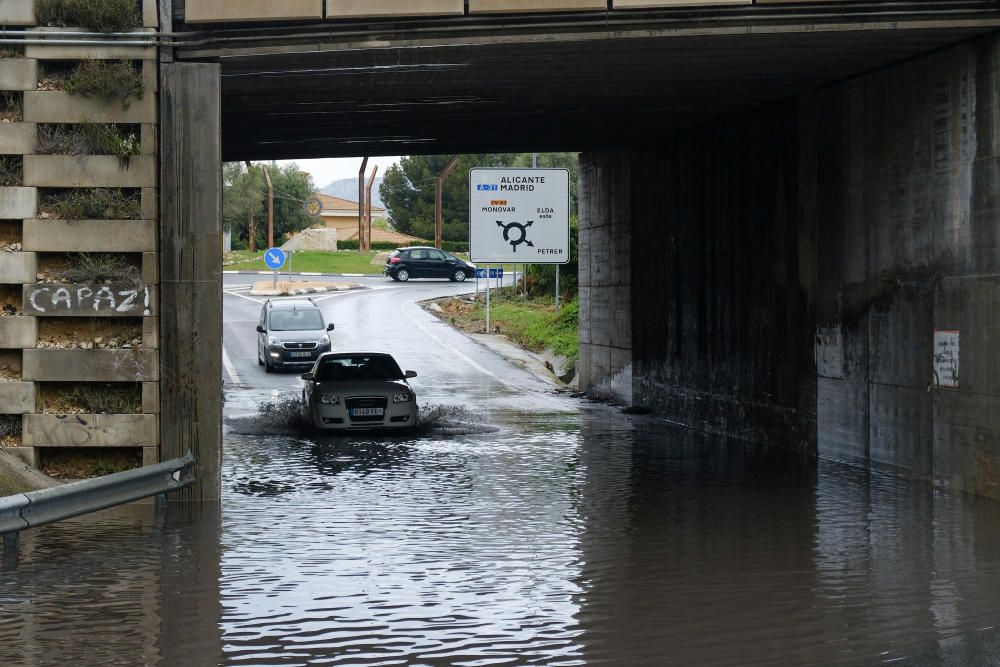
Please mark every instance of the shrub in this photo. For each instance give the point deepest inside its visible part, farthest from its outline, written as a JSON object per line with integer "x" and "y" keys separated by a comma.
{"x": 87, "y": 268}
{"x": 10, "y": 426}
{"x": 11, "y": 170}
{"x": 105, "y": 399}
{"x": 96, "y": 15}
{"x": 11, "y": 106}
{"x": 106, "y": 80}
{"x": 89, "y": 139}
{"x": 455, "y": 246}
{"x": 93, "y": 203}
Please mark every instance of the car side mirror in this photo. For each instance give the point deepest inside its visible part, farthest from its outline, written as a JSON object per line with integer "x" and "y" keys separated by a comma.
{"x": 330, "y": 327}
{"x": 410, "y": 374}
{"x": 307, "y": 376}
{"x": 260, "y": 329}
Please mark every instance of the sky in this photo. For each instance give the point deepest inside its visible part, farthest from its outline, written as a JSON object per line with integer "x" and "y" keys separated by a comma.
{"x": 326, "y": 170}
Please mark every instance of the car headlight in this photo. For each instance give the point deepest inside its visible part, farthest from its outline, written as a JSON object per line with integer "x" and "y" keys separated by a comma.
{"x": 271, "y": 340}
{"x": 402, "y": 398}
{"x": 329, "y": 399}
{"x": 324, "y": 340}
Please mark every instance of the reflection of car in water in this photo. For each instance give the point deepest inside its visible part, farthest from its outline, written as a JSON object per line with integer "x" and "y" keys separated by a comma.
{"x": 290, "y": 333}
{"x": 358, "y": 390}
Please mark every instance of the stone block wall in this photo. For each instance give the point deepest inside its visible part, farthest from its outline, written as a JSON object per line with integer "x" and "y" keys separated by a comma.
{"x": 67, "y": 342}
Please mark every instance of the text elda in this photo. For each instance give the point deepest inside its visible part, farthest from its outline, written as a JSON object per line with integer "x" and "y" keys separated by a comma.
{"x": 80, "y": 299}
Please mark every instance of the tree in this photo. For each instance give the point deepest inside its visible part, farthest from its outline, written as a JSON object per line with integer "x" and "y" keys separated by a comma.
{"x": 245, "y": 191}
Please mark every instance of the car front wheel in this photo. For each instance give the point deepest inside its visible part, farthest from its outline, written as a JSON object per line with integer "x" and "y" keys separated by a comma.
{"x": 458, "y": 276}
{"x": 402, "y": 275}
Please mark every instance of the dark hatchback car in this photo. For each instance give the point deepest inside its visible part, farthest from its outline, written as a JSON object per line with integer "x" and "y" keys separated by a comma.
{"x": 291, "y": 333}
{"x": 425, "y": 262}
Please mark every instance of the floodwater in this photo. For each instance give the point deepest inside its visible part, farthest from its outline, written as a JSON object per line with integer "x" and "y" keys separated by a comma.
{"x": 569, "y": 536}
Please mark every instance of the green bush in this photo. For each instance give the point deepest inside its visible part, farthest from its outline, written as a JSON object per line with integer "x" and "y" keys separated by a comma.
{"x": 107, "y": 80}
{"x": 93, "y": 203}
{"x": 455, "y": 246}
{"x": 352, "y": 244}
{"x": 96, "y": 15}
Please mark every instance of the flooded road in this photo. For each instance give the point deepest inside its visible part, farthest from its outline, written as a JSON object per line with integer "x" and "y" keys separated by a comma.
{"x": 550, "y": 531}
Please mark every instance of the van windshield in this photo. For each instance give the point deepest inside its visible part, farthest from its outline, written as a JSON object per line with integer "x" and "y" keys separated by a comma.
{"x": 296, "y": 320}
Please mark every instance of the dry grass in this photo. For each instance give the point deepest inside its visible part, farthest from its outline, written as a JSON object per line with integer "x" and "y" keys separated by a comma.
{"x": 89, "y": 333}
{"x": 11, "y": 170}
{"x": 11, "y": 107}
{"x": 10, "y": 430}
{"x": 85, "y": 462}
{"x": 10, "y": 300}
{"x": 120, "y": 398}
{"x": 121, "y": 141}
{"x": 92, "y": 203}
{"x": 10, "y": 365}
{"x": 96, "y": 15}
{"x": 10, "y": 233}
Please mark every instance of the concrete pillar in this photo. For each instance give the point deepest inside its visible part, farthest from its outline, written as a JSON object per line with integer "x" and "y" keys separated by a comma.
{"x": 822, "y": 274}
{"x": 605, "y": 364}
{"x": 191, "y": 271}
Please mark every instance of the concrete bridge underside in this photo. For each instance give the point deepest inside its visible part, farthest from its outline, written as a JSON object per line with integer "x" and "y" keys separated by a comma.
{"x": 777, "y": 224}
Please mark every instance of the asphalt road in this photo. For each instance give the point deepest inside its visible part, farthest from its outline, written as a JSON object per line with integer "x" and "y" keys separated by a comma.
{"x": 383, "y": 316}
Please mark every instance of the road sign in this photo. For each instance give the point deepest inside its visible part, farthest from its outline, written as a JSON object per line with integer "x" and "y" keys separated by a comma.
{"x": 493, "y": 273}
{"x": 274, "y": 258}
{"x": 519, "y": 215}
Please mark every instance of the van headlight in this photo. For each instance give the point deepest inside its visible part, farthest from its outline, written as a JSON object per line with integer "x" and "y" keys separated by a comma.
{"x": 329, "y": 399}
{"x": 324, "y": 340}
{"x": 402, "y": 398}
{"x": 271, "y": 340}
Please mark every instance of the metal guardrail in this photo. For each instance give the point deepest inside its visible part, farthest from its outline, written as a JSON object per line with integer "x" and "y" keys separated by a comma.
{"x": 37, "y": 508}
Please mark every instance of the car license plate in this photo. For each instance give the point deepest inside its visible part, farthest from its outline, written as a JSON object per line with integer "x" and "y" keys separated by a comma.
{"x": 299, "y": 354}
{"x": 367, "y": 412}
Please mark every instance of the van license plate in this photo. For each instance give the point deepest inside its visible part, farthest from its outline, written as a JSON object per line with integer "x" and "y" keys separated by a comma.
{"x": 300, "y": 354}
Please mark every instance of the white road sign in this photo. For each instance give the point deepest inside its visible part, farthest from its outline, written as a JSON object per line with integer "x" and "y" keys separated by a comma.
{"x": 519, "y": 215}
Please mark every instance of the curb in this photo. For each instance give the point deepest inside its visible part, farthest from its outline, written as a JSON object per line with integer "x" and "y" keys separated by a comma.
{"x": 307, "y": 290}
{"x": 303, "y": 273}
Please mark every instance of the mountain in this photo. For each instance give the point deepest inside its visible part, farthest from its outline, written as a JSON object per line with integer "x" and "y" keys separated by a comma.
{"x": 347, "y": 188}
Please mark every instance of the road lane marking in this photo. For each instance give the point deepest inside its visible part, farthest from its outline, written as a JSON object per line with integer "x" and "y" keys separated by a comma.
{"x": 248, "y": 298}
{"x": 452, "y": 349}
{"x": 230, "y": 368}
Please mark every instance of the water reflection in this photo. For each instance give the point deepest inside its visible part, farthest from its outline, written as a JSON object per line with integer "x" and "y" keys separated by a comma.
{"x": 560, "y": 539}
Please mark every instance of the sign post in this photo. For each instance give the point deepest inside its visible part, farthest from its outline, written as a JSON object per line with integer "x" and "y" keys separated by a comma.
{"x": 274, "y": 258}
{"x": 518, "y": 215}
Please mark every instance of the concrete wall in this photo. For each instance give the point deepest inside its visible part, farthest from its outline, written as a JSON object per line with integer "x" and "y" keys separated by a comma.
{"x": 44, "y": 240}
{"x": 798, "y": 273}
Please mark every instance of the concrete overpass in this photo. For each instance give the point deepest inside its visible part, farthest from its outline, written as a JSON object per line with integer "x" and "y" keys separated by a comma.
{"x": 787, "y": 209}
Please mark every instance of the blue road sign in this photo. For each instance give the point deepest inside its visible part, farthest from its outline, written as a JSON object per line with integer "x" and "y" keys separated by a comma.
{"x": 274, "y": 258}
{"x": 493, "y": 273}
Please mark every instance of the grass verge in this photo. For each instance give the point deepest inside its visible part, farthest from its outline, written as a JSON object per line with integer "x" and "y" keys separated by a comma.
{"x": 342, "y": 261}
{"x": 534, "y": 324}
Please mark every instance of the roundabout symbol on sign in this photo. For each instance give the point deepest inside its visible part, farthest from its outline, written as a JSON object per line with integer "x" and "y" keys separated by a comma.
{"x": 522, "y": 233}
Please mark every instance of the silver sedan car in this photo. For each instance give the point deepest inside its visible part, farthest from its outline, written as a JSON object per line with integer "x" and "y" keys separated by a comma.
{"x": 358, "y": 390}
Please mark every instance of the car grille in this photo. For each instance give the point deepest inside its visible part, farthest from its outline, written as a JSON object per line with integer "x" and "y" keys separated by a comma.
{"x": 366, "y": 402}
{"x": 299, "y": 346}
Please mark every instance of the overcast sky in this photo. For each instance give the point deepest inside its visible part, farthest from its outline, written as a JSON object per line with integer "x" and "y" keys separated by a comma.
{"x": 326, "y": 170}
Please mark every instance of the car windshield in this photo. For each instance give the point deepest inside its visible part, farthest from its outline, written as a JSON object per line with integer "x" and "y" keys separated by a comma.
{"x": 296, "y": 320}
{"x": 359, "y": 367}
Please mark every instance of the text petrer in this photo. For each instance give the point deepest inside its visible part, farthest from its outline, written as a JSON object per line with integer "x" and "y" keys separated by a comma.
{"x": 549, "y": 251}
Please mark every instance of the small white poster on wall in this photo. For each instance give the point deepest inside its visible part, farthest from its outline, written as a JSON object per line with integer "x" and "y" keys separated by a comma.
{"x": 946, "y": 358}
